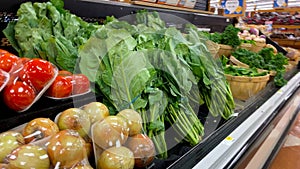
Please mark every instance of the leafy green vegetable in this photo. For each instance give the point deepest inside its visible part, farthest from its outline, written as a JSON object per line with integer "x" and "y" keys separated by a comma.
{"x": 264, "y": 59}
{"x": 238, "y": 71}
{"x": 228, "y": 37}
{"x": 46, "y": 30}
{"x": 137, "y": 67}
{"x": 247, "y": 41}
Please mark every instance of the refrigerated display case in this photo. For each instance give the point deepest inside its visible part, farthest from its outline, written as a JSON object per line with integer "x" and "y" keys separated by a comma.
{"x": 226, "y": 143}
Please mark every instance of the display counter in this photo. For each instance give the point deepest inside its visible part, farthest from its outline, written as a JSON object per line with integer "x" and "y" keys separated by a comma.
{"x": 226, "y": 143}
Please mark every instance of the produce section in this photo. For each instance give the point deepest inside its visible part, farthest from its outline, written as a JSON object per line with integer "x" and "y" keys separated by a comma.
{"x": 198, "y": 126}
{"x": 284, "y": 24}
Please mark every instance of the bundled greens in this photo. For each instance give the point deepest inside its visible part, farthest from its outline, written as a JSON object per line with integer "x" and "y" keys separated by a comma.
{"x": 239, "y": 71}
{"x": 228, "y": 37}
{"x": 46, "y": 30}
{"x": 158, "y": 71}
{"x": 265, "y": 59}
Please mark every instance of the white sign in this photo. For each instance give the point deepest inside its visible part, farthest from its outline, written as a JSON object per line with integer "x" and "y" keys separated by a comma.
{"x": 232, "y": 5}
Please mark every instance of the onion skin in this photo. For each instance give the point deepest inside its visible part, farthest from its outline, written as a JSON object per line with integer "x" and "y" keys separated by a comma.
{"x": 97, "y": 111}
{"x": 133, "y": 119}
{"x": 83, "y": 166}
{"x": 111, "y": 131}
{"x": 116, "y": 158}
{"x": 3, "y": 166}
{"x": 142, "y": 148}
{"x": 67, "y": 148}
{"x": 29, "y": 157}
{"x": 45, "y": 126}
{"x": 9, "y": 141}
{"x": 75, "y": 119}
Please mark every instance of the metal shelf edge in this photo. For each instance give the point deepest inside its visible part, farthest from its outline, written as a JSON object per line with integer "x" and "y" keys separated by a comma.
{"x": 228, "y": 148}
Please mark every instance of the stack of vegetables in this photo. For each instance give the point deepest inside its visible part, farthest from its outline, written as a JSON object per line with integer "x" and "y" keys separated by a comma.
{"x": 160, "y": 72}
{"x": 265, "y": 59}
{"x": 227, "y": 40}
{"x": 47, "y": 31}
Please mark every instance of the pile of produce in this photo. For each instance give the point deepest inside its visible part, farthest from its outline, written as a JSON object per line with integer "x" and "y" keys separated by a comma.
{"x": 228, "y": 37}
{"x": 25, "y": 80}
{"x": 137, "y": 67}
{"x": 265, "y": 59}
{"x": 251, "y": 36}
{"x": 66, "y": 142}
{"x": 159, "y": 72}
{"x": 47, "y": 31}
{"x": 240, "y": 71}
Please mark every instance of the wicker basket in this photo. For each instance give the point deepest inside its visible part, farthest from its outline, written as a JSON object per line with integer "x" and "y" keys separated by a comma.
{"x": 258, "y": 46}
{"x": 213, "y": 48}
{"x": 235, "y": 61}
{"x": 243, "y": 87}
{"x": 247, "y": 46}
{"x": 224, "y": 50}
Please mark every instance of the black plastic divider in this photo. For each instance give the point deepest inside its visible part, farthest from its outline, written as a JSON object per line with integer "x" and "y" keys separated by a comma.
{"x": 44, "y": 107}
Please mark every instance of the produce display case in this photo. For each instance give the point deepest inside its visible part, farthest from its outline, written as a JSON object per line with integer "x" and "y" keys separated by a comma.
{"x": 236, "y": 139}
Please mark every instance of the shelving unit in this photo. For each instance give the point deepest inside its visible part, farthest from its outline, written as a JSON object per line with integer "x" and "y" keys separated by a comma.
{"x": 287, "y": 26}
{"x": 218, "y": 130}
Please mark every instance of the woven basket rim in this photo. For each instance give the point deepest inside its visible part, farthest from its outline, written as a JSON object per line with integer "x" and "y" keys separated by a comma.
{"x": 241, "y": 64}
{"x": 247, "y": 78}
{"x": 260, "y": 44}
{"x": 246, "y": 45}
{"x": 237, "y": 62}
{"x": 225, "y": 46}
{"x": 264, "y": 78}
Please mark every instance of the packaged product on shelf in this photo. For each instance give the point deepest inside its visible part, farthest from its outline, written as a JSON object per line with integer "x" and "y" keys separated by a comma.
{"x": 187, "y": 3}
{"x": 67, "y": 85}
{"x": 124, "y": 141}
{"x": 4, "y": 78}
{"x": 67, "y": 149}
{"x": 29, "y": 80}
{"x": 168, "y": 2}
{"x": 75, "y": 119}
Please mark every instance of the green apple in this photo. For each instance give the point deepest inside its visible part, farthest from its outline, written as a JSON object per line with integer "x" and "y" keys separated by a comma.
{"x": 29, "y": 156}
{"x": 9, "y": 141}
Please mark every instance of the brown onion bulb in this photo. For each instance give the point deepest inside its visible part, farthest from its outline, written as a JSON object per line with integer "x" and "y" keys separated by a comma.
{"x": 39, "y": 128}
{"x": 133, "y": 119}
{"x": 111, "y": 131}
{"x": 66, "y": 148}
{"x": 116, "y": 158}
{"x": 9, "y": 141}
{"x": 142, "y": 148}
{"x": 29, "y": 156}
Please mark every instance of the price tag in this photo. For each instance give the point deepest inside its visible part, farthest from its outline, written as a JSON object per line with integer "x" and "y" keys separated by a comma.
{"x": 228, "y": 140}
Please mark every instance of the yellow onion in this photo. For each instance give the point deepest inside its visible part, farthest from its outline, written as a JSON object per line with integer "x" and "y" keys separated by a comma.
{"x": 66, "y": 149}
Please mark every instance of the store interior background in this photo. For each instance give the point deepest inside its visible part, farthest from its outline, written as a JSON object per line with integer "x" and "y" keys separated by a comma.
{"x": 259, "y": 4}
